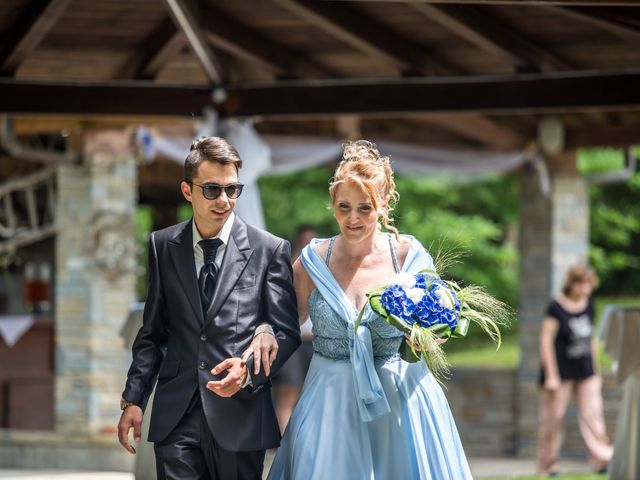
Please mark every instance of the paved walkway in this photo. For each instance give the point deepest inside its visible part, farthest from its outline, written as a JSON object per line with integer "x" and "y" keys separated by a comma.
{"x": 480, "y": 467}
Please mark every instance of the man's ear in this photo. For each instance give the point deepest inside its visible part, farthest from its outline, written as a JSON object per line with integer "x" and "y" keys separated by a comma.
{"x": 186, "y": 191}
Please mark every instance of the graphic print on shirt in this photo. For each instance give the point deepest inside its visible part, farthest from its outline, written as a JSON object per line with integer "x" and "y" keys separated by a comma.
{"x": 580, "y": 337}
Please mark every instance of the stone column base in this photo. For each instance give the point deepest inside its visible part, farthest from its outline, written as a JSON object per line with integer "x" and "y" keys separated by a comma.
{"x": 31, "y": 449}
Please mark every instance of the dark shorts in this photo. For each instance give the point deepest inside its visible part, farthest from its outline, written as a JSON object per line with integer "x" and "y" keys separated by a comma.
{"x": 294, "y": 371}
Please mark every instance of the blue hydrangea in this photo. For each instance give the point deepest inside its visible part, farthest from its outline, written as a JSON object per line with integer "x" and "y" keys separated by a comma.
{"x": 396, "y": 301}
{"x": 428, "y": 311}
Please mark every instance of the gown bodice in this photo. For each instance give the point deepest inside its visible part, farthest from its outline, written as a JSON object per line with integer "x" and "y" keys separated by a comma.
{"x": 331, "y": 332}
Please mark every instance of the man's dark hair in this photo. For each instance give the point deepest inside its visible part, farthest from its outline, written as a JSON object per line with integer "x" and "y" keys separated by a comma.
{"x": 210, "y": 149}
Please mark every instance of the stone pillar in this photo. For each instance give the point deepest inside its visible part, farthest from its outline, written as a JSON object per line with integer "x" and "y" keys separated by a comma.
{"x": 554, "y": 234}
{"x": 95, "y": 283}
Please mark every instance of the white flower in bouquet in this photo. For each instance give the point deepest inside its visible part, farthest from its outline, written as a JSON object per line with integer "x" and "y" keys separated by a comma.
{"x": 403, "y": 279}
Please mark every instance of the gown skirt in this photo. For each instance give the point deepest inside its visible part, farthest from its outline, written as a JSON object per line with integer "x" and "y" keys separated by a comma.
{"x": 326, "y": 438}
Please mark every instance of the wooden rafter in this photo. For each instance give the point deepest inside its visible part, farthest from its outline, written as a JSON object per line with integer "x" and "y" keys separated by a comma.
{"x": 467, "y": 28}
{"x": 247, "y": 44}
{"x": 185, "y": 16}
{"x": 492, "y": 35}
{"x": 162, "y": 45}
{"x": 604, "y": 19}
{"x": 368, "y": 36}
{"x": 29, "y": 31}
{"x": 625, "y": 15}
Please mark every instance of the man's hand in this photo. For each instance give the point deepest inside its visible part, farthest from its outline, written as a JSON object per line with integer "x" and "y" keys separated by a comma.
{"x": 131, "y": 418}
{"x": 236, "y": 375}
{"x": 264, "y": 347}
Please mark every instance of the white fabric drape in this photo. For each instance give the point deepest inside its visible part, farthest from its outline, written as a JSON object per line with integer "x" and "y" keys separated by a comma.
{"x": 13, "y": 327}
{"x": 271, "y": 154}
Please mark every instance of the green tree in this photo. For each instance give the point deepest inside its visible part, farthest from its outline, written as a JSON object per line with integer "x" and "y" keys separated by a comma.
{"x": 615, "y": 222}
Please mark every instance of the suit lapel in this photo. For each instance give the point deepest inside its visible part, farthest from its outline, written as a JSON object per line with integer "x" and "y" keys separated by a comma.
{"x": 181, "y": 252}
{"x": 236, "y": 257}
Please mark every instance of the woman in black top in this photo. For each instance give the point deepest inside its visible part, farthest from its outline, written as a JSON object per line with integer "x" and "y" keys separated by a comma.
{"x": 567, "y": 351}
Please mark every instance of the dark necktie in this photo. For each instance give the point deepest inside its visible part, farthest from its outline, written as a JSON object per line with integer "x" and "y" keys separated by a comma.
{"x": 209, "y": 272}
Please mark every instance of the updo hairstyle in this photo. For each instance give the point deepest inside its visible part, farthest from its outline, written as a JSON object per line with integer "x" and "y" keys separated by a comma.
{"x": 363, "y": 166}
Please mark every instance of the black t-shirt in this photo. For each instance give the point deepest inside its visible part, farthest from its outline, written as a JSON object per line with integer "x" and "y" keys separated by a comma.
{"x": 573, "y": 341}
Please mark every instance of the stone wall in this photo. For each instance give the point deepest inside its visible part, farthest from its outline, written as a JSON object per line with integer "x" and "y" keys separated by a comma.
{"x": 95, "y": 282}
{"x": 484, "y": 405}
{"x": 94, "y": 288}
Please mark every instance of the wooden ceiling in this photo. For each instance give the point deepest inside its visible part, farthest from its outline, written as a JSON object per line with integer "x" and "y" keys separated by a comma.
{"x": 476, "y": 74}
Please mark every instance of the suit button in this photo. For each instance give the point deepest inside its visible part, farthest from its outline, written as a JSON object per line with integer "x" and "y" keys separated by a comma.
{"x": 203, "y": 337}
{"x": 203, "y": 366}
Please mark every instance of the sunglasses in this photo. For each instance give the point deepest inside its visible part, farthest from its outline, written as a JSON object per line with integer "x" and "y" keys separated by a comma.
{"x": 211, "y": 191}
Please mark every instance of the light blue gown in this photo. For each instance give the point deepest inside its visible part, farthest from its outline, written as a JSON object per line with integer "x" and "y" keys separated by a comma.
{"x": 364, "y": 413}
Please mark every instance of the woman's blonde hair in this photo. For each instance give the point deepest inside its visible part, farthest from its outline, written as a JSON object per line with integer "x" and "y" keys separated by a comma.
{"x": 363, "y": 165}
{"x": 579, "y": 274}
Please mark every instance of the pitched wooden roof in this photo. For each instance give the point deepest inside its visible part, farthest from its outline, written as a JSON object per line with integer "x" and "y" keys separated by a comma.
{"x": 465, "y": 73}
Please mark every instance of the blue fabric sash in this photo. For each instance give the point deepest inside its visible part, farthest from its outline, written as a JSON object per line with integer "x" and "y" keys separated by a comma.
{"x": 371, "y": 399}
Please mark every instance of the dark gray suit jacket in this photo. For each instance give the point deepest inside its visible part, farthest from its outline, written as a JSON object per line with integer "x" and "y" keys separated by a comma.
{"x": 179, "y": 345}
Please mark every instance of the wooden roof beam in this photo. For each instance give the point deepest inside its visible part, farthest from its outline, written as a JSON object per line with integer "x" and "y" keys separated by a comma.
{"x": 368, "y": 36}
{"x": 155, "y": 51}
{"x": 185, "y": 15}
{"x": 604, "y": 19}
{"x": 247, "y": 44}
{"x": 490, "y": 94}
{"x": 493, "y": 36}
{"x": 29, "y": 31}
{"x": 463, "y": 27}
{"x": 487, "y": 94}
{"x": 603, "y": 136}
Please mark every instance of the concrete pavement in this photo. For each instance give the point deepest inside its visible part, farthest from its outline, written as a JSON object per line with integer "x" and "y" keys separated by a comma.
{"x": 480, "y": 467}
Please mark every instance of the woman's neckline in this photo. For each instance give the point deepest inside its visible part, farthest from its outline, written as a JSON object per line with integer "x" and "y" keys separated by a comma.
{"x": 562, "y": 301}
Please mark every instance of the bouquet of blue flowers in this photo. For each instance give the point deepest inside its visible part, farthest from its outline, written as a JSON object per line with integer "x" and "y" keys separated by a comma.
{"x": 426, "y": 308}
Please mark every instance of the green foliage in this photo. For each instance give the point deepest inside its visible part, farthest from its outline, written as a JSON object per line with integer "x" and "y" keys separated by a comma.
{"x": 615, "y": 222}
{"x": 143, "y": 224}
{"x": 296, "y": 199}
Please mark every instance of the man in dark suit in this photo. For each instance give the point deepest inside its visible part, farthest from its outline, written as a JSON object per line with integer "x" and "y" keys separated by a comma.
{"x": 214, "y": 283}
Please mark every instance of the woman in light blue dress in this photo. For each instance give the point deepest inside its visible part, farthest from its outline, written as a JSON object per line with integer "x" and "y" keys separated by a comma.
{"x": 364, "y": 413}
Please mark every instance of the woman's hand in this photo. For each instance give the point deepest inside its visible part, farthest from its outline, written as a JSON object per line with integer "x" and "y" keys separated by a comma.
{"x": 264, "y": 348}
{"x": 552, "y": 383}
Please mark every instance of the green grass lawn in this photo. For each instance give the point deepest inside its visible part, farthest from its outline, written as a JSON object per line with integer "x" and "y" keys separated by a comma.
{"x": 478, "y": 351}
